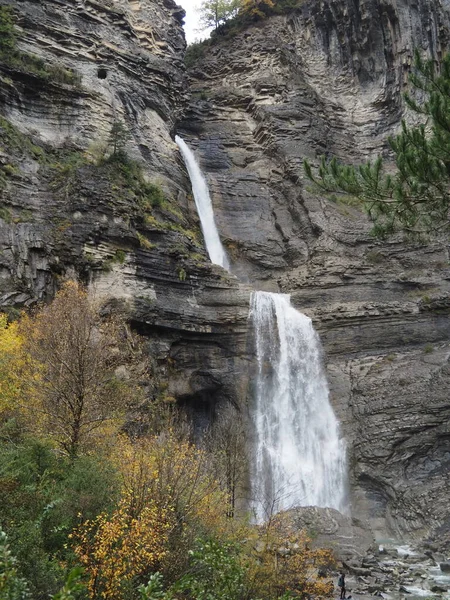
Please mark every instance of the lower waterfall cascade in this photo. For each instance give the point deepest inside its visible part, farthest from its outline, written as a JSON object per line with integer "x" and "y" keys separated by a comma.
{"x": 297, "y": 457}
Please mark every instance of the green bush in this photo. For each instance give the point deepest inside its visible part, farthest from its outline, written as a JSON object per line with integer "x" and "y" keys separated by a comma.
{"x": 43, "y": 497}
{"x": 152, "y": 194}
{"x": 128, "y": 173}
{"x": 7, "y": 30}
{"x": 195, "y": 51}
{"x": 215, "y": 573}
{"x": 5, "y": 214}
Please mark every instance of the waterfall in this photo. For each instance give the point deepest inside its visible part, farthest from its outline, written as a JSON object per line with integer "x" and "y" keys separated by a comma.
{"x": 299, "y": 457}
{"x": 203, "y": 203}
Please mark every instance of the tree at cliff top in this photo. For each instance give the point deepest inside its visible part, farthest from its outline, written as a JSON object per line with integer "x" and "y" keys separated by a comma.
{"x": 415, "y": 196}
{"x": 74, "y": 389}
{"x": 228, "y": 17}
{"x": 256, "y": 8}
{"x": 214, "y": 13}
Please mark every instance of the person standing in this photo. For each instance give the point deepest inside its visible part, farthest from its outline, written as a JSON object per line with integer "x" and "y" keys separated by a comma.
{"x": 341, "y": 584}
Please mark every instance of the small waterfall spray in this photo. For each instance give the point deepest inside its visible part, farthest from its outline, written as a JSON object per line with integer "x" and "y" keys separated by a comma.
{"x": 299, "y": 457}
{"x": 203, "y": 203}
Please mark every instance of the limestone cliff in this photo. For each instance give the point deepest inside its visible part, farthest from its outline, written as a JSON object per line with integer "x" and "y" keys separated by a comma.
{"x": 66, "y": 212}
{"x": 327, "y": 79}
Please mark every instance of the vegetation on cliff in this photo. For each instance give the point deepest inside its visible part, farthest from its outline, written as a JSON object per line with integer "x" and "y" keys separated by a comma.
{"x": 415, "y": 195}
{"x": 13, "y": 58}
{"x": 229, "y": 17}
{"x": 96, "y": 474}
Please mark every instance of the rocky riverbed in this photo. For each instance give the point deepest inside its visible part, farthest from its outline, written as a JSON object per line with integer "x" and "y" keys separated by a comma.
{"x": 396, "y": 571}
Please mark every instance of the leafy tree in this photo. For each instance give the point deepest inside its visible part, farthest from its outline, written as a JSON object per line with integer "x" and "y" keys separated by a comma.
{"x": 257, "y": 8}
{"x": 74, "y": 390}
{"x": 116, "y": 550}
{"x": 415, "y": 196}
{"x": 169, "y": 498}
{"x": 215, "y": 573}
{"x": 214, "y": 13}
{"x": 43, "y": 496}
{"x": 12, "y": 361}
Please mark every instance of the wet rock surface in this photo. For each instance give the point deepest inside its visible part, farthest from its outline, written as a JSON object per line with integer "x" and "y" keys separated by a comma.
{"x": 396, "y": 571}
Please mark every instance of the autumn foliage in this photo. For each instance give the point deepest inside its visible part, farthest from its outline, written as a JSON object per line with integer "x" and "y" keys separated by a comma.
{"x": 149, "y": 516}
{"x": 12, "y": 361}
{"x": 71, "y": 388}
{"x": 284, "y": 560}
{"x": 168, "y": 500}
{"x": 117, "y": 549}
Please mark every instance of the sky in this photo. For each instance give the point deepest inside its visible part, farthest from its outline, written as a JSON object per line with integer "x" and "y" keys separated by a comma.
{"x": 191, "y": 22}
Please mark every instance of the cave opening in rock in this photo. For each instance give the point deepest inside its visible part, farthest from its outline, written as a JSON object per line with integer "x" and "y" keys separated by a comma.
{"x": 102, "y": 73}
{"x": 200, "y": 409}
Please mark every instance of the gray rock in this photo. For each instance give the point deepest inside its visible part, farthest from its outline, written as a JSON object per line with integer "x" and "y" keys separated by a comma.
{"x": 326, "y": 79}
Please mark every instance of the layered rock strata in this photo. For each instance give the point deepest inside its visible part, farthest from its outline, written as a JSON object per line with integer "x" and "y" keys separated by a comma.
{"x": 66, "y": 211}
{"x": 327, "y": 79}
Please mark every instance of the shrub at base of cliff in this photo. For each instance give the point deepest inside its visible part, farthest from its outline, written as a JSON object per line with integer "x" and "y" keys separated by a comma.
{"x": 169, "y": 497}
{"x": 43, "y": 496}
{"x": 72, "y": 389}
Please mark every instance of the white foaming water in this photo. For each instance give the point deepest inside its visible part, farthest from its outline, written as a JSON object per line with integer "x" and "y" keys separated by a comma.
{"x": 203, "y": 203}
{"x": 299, "y": 456}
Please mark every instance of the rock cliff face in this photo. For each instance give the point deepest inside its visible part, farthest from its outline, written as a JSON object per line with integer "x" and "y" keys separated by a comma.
{"x": 327, "y": 79}
{"x": 66, "y": 212}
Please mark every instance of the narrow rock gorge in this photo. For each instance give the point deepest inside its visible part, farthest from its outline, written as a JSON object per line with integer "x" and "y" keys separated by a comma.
{"x": 325, "y": 79}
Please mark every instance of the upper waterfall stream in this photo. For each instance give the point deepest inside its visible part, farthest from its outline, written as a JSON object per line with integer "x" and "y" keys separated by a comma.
{"x": 205, "y": 211}
{"x": 297, "y": 457}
